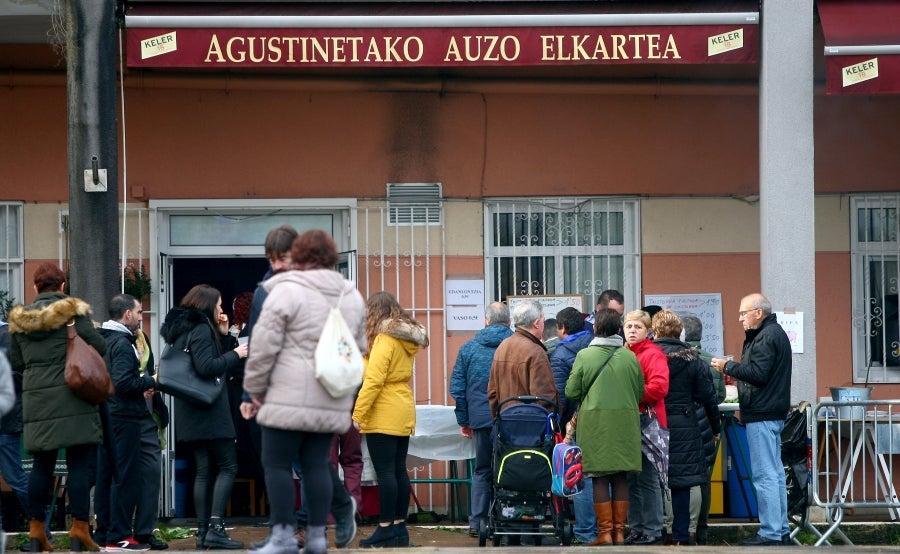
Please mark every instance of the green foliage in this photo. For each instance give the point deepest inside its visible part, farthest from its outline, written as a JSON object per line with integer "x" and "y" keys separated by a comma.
{"x": 137, "y": 282}
{"x": 6, "y": 304}
{"x": 172, "y": 533}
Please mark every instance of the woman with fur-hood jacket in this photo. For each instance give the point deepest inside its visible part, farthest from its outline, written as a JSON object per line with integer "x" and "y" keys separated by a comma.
{"x": 53, "y": 416}
{"x": 386, "y": 411}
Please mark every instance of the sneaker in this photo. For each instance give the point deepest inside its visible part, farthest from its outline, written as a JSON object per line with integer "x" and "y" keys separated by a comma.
{"x": 345, "y": 526}
{"x": 473, "y": 532}
{"x": 155, "y": 543}
{"x": 127, "y": 545}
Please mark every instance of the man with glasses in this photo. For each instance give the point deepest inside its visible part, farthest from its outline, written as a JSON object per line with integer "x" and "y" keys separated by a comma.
{"x": 764, "y": 392}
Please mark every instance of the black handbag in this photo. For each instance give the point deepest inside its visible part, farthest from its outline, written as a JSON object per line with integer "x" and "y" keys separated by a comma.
{"x": 176, "y": 376}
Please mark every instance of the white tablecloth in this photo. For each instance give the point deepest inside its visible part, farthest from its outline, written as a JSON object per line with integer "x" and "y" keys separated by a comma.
{"x": 437, "y": 438}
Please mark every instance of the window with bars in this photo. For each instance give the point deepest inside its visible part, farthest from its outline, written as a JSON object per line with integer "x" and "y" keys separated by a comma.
{"x": 11, "y": 257}
{"x": 562, "y": 246}
{"x": 875, "y": 255}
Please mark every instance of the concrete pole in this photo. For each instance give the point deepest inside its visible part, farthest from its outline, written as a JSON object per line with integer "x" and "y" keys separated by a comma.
{"x": 92, "y": 133}
{"x": 786, "y": 149}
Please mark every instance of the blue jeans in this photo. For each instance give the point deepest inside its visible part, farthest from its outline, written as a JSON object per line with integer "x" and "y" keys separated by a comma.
{"x": 645, "y": 505}
{"x": 11, "y": 467}
{"x": 764, "y": 443}
{"x": 585, "y": 528}
{"x": 481, "y": 481}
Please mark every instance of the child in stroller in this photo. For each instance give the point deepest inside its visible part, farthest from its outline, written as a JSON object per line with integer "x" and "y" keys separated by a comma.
{"x": 524, "y": 434}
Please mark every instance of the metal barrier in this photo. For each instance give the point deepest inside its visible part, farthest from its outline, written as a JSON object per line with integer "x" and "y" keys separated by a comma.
{"x": 852, "y": 461}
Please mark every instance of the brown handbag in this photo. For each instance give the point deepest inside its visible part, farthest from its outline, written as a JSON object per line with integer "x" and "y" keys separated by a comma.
{"x": 86, "y": 372}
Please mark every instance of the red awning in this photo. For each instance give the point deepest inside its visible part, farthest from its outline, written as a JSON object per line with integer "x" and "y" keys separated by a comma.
{"x": 440, "y": 34}
{"x": 862, "y": 46}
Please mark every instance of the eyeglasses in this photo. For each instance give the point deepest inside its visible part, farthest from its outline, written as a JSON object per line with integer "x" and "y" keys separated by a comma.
{"x": 745, "y": 312}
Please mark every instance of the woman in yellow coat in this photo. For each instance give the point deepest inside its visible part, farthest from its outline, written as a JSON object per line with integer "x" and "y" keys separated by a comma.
{"x": 386, "y": 411}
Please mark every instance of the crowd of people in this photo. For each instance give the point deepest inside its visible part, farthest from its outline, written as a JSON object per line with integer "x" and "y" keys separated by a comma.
{"x": 608, "y": 374}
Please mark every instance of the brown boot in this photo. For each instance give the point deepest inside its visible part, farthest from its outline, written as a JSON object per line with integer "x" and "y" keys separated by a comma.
{"x": 37, "y": 534}
{"x": 604, "y": 524}
{"x": 80, "y": 537}
{"x": 619, "y": 517}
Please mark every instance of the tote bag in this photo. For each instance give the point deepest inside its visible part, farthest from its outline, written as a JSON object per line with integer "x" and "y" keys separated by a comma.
{"x": 86, "y": 373}
{"x": 176, "y": 376}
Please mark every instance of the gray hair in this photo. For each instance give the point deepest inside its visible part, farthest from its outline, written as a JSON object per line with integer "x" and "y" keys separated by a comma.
{"x": 497, "y": 313}
{"x": 526, "y": 312}
{"x": 761, "y": 302}
{"x": 693, "y": 328}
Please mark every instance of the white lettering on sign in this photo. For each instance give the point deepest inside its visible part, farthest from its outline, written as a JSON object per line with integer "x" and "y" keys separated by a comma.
{"x": 725, "y": 42}
{"x": 859, "y": 72}
{"x": 155, "y": 46}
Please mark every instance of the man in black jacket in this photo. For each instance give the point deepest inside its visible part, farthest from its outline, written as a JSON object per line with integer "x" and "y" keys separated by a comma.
{"x": 135, "y": 439}
{"x": 764, "y": 391}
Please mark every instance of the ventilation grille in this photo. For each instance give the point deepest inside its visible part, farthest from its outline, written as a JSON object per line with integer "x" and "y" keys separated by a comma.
{"x": 414, "y": 203}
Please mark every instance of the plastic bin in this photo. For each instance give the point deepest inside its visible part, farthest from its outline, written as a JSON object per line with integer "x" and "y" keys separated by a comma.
{"x": 741, "y": 496}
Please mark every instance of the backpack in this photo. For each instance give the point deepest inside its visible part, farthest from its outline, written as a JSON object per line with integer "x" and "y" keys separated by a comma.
{"x": 567, "y": 477}
{"x": 339, "y": 363}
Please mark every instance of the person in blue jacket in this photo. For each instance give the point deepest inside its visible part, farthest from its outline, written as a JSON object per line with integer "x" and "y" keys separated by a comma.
{"x": 573, "y": 338}
{"x": 468, "y": 387}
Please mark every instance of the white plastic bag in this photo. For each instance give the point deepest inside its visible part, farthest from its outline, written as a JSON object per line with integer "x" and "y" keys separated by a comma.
{"x": 339, "y": 364}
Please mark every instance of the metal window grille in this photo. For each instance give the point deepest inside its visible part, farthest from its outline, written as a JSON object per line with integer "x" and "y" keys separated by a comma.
{"x": 414, "y": 204}
{"x": 11, "y": 255}
{"x": 562, "y": 246}
{"x": 875, "y": 255}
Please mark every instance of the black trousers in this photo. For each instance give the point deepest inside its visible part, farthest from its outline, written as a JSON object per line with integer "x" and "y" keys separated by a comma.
{"x": 211, "y": 501}
{"x": 80, "y": 460}
{"x": 388, "y": 453}
{"x": 280, "y": 449}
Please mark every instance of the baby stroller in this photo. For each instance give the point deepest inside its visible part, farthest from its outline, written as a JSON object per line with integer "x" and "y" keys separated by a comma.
{"x": 524, "y": 435}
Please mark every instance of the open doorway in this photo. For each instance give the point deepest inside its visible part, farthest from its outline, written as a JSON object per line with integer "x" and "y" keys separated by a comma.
{"x": 231, "y": 276}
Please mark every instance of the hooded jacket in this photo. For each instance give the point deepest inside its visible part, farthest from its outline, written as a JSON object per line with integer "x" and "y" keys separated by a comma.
{"x": 125, "y": 370}
{"x": 190, "y": 327}
{"x": 53, "y": 416}
{"x": 11, "y": 423}
{"x": 764, "y": 372}
{"x": 561, "y": 360}
{"x": 469, "y": 381}
{"x": 689, "y": 383}
{"x": 609, "y": 424}
{"x": 386, "y": 403}
{"x": 281, "y": 367}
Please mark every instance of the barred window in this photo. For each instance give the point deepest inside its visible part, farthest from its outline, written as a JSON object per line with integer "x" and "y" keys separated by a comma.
{"x": 562, "y": 246}
{"x": 11, "y": 256}
{"x": 874, "y": 264}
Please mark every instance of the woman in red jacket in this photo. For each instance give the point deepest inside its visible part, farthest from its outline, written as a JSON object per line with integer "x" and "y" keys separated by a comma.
{"x": 645, "y": 508}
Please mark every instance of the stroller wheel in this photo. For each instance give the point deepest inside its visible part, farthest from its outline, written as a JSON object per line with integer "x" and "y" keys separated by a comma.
{"x": 495, "y": 538}
{"x": 566, "y": 534}
{"x": 483, "y": 533}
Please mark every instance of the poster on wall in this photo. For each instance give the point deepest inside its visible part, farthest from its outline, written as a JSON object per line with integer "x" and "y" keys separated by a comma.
{"x": 792, "y": 323}
{"x": 552, "y": 303}
{"x": 464, "y": 301}
{"x": 707, "y": 307}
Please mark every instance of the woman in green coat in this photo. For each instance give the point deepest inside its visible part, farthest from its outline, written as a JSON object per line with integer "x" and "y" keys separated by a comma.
{"x": 54, "y": 417}
{"x": 608, "y": 381}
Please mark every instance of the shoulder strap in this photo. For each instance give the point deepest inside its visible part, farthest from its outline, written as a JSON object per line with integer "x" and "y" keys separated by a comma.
{"x": 603, "y": 365}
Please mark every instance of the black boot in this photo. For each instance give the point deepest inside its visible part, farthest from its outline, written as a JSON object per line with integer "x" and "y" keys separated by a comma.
{"x": 217, "y": 536}
{"x": 202, "y": 528}
{"x": 402, "y": 534}
{"x": 383, "y": 537}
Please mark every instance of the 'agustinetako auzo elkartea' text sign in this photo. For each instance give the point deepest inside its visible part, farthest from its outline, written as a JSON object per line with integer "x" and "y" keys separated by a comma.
{"x": 299, "y": 48}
